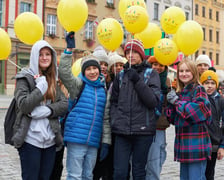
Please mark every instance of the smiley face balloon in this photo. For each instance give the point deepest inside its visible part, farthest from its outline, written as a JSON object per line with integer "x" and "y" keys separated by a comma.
{"x": 171, "y": 19}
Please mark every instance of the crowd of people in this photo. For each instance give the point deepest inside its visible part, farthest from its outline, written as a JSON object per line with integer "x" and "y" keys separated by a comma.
{"x": 112, "y": 118}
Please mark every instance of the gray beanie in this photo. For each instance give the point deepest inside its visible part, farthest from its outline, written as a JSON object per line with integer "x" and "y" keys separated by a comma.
{"x": 89, "y": 61}
{"x": 100, "y": 53}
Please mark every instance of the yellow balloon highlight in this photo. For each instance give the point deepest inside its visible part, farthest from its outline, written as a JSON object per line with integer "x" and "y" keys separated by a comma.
{"x": 124, "y": 4}
{"x": 76, "y": 67}
{"x": 5, "y": 45}
{"x": 150, "y": 35}
{"x": 28, "y": 28}
{"x": 122, "y": 8}
{"x": 110, "y": 33}
{"x": 135, "y": 19}
{"x": 165, "y": 51}
{"x": 189, "y": 37}
{"x": 171, "y": 19}
{"x": 72, "y": 14}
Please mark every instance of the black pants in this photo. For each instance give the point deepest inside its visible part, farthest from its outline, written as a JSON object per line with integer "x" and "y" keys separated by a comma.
{"x": 104, "y": 169}
{"x": 210, "y": 168}
{"x": 58, "y": 165}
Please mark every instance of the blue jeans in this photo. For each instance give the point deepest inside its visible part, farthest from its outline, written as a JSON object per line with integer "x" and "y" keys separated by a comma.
{"x": 156, "y": 156}
{"x": 136, "y": 147}
{"x": 192, "y": 171}
{"x": 80, "y": 162}
{"x": 36, "y": 163}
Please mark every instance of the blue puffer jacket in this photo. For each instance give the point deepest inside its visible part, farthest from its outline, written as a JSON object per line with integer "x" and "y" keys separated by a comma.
{"x": 84, "y": 123}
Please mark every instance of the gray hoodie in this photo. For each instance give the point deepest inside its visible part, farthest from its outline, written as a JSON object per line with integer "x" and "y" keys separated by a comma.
{"x": 37, "y": 122}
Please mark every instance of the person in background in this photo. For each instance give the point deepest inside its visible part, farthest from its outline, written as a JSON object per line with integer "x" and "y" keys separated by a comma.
{"x": 190, "y": 112}
{"x": 209, "y": 80}
{"x": 157, "y": 151}
{"x": 84, "y": 123}
{"x": 132, "y": 113}
{"x": 104, "y": 169}
{"x": 37, "y": 129}
{"x": 102, "y": 56}
{"x": 58, "y": 163}
{"x": 203, "y": 62}
{"x": 116, "y": 63}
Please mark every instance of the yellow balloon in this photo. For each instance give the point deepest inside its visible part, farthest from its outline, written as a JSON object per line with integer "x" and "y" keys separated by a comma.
{"x": 136, "y": 19}
{"x": 72, "y": 14}
{"x": 5, "y": 44}
{"x": 150, "y": 35}
{"x": 124, "y": 4}
{"x": 171, "y": 19}
{"x": 76, "y": 67}
{"x": 110, "y": 33}
{"x": 165, "y": 51}
{"x": 122, "y": 8}
{"x": 28, "y": 28}
{"x": 189, "y": 37}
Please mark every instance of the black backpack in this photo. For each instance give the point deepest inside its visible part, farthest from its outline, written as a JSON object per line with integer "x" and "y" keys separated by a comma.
{"x": 11, "y": 113}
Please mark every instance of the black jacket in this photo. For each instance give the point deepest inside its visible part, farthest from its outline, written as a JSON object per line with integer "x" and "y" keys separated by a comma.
{"x": 133, "y": 105}
{"x": 216, "y": 128}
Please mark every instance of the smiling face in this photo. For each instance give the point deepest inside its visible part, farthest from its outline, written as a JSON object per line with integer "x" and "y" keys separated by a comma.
{"x": 185, "y": 75}
{"x": 133, "y": 57}
{"x": 158, "y": 67}
{"x": 104, "y": 66}
{"x": 92, "y": 73}
{"x": 117, "y": 67}
{"x": 210, "y": 86}
{"x": 45, "y": 58}
{"x": 202, "y": 68}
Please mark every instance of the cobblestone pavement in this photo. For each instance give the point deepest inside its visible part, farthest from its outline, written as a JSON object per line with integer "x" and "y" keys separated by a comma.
{"x": 10, "y": 165}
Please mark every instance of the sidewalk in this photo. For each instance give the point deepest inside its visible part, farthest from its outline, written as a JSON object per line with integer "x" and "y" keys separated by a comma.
{"x": 5, "y": 101}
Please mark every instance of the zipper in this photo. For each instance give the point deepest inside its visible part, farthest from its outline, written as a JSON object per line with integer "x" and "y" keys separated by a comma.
{"x": 94, "y": 115}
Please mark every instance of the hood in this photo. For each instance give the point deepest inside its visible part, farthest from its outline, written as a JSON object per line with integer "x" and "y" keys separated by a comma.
{"x": 34, "y": 57}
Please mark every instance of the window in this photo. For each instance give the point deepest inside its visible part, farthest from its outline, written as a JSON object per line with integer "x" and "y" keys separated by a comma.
{"x": 210, "y": 35}
{"x": 196, "y": 54}
{"x": 91, "y": 1}
{"x": 156, "y": 11}
{"x": 25, "y": 7}
{"x": 217, "y": 15}
{"x": 217, "y": 37}
{"x": 166, "y": 7}
{"x": 210, "y": 55}
{"x": 89, "y": 30}
{"x": 210, "y": 13}
{"x": 203, "y": 11}
{"x": 217, "y": 58}
{"x": 110, "y": 3}
{"x": 1, "y": 12}
{"x": 196, "y": 9}
{"x": 204, "y": 33}
{"x": 187, "y": 15}
{"x": 51, "y": 24}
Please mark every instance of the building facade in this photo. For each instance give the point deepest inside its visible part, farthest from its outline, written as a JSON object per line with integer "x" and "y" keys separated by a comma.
{"x": 54, "y": 33}
{"x": 210, "y": 14}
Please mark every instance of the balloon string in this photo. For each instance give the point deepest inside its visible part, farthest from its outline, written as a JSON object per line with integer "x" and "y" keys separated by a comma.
{"x": 130, "y": 53}
{"x": 14, "y": 64}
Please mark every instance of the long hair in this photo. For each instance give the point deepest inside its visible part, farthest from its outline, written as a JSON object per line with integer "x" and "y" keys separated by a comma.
{"x": 50, "y": 74}
{"x": 193, "y": 69}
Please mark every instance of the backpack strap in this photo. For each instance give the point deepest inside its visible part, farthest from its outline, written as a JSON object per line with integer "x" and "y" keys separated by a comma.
{"x": 75, "y": 101}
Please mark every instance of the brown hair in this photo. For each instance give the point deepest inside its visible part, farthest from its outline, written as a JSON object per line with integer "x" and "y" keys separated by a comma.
{"x": 193, "y": 69}
{"x": 50, "y": 74}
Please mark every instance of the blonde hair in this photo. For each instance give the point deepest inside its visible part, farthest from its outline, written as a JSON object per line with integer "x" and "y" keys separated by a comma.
{"x": 193, "y": 69}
